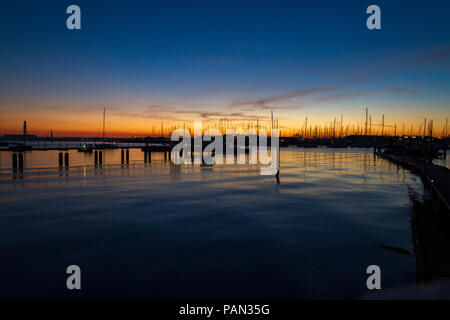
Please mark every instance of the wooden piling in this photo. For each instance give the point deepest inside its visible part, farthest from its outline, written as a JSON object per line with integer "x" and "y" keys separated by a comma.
{"x": 20, "y": 160}
{"x": 66, "y": 159}
{"x": 14, "y": 161}
{"x": 100, "y": 157}
{"x": 122, "y": 156}
{"x": 60, "y": 158}
{"x": 128, "y": 156}
{"x": 96, "y": 157}
{"x": 147, "y": 157}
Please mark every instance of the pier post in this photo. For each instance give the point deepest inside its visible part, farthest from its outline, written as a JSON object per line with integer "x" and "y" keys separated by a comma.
{"x": 60, "y": 159}
{"x": 66, "y": 159}
{"x": 96, "y": 157}
{"x": 100, "y": 157}
{"x": 128, "y": 156}
{"x": 149, "y": 154}
{"x": 122, "y": 156}
{"x": 20, "y": 160}
{"x": 165, "y": 156}
{"x": 14, "y": 161}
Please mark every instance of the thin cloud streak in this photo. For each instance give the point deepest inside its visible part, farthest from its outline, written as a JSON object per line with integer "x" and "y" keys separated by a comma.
{"x": 163, "y": 112}
{"x": 403, "y": 62}
{"x": 366, "y": 92}
{"x": 262, "y": 103}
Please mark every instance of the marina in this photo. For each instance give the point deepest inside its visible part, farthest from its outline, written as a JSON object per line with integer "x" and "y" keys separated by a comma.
{"x": 224, "y": 159}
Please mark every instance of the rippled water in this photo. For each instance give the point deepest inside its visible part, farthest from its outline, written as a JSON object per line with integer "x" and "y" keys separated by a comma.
{"x": 160, "y": 231}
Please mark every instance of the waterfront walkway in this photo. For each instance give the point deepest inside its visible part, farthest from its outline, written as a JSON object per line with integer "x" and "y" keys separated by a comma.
{"x": 436, "y": 178}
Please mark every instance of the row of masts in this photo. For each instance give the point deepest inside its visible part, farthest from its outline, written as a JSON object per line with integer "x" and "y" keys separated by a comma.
{"x": 333, "y": 129}
{"x": 222, "y": 125}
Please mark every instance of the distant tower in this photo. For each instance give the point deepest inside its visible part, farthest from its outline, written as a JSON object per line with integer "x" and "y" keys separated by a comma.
{"x": 24, "y": 128}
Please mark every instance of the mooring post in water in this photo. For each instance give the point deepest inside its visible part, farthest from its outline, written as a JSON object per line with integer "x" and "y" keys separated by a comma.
{"x": 149, "y": 157}
{"x": 100, "y": 157}
{"x": 20, "y": 160}
{"x": 128, "y": 156}
{"x": 66, "y": 159}
{"x": 14, "y": 161}
{"x": 96, "y": 157}
{"x": 60, "y": 158}
{"x": 122, "y": 156}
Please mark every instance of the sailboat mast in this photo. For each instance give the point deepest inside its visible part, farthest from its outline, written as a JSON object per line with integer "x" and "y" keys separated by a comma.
{"x": 271, "y": 127}
{"x": 103, "y": 136}
{"x": 446, "y": 126}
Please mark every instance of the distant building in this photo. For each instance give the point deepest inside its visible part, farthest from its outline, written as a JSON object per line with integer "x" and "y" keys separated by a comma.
{"x": 20, "y": 137}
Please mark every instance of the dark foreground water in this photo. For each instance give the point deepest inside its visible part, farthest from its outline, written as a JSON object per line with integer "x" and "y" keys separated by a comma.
{"x": 159, "y": 231}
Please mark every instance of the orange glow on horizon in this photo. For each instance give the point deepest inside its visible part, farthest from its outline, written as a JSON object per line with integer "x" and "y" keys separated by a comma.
{"x": 134, "y": 122}
{"x": 117, "y": 128}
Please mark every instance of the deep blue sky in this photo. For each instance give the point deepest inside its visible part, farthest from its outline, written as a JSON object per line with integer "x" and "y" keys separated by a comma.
{"x": 211, "y": 55}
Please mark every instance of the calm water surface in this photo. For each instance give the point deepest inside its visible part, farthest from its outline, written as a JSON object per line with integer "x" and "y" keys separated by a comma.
{"x": 160, "y": 231}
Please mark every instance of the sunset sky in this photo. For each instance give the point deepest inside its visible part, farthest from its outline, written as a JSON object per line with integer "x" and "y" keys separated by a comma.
{"x": 153, "y": 61}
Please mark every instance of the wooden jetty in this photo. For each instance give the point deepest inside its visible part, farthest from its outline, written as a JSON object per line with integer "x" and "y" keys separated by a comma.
{"x": 155, "y": 148}
{"x": 436, "y": 178}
